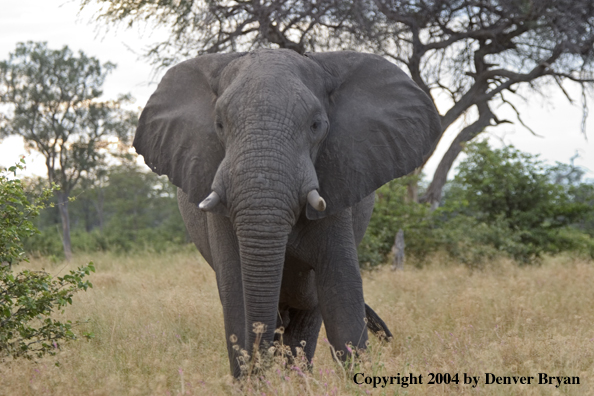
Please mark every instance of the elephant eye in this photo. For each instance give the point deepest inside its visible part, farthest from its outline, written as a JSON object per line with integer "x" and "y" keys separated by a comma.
{"x": 219, "y": 125}
{"x": 319, "y": 127}
{"x": 316, "y": 126}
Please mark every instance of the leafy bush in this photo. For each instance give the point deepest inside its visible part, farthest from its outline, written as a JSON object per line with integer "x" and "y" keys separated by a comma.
{"x": 393, "y": 211}
{"x": 28, "y": 299}
{"x": 123, "y": 241}
{"x": 17, "y": 213}
{"x": 501, "y": 202}
{"x": 520, "y": 208}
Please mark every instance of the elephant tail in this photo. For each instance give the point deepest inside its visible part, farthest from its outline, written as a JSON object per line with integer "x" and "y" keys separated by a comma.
{"x": 377, "y": 326}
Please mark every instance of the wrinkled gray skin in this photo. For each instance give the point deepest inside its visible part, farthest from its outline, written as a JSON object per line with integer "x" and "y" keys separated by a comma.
{"x": 262, "y": 130}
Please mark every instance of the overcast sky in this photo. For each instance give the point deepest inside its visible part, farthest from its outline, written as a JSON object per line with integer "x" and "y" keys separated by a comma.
{"x": 58, "y": 22}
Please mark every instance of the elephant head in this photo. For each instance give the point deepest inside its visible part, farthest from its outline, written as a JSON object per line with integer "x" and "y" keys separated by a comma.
{"x": 256, "y": 136}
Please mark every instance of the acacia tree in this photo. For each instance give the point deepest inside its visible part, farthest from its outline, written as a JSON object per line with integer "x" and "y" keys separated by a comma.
{"x": 50, "y": 98}
{"x": 472, "y": 53}
{"x": 478, "y": 53}
{"x": 198, "y": 26}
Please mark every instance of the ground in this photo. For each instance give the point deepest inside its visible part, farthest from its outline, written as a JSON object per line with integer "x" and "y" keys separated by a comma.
{"x": 158, "y": 330}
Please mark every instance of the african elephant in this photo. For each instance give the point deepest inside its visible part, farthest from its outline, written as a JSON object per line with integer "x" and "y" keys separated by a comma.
{"x": 282, "y": 152}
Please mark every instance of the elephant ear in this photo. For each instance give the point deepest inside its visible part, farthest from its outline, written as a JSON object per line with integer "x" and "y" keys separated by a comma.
{"x": 176, "y": 133}
{"x": 382, "y": 126}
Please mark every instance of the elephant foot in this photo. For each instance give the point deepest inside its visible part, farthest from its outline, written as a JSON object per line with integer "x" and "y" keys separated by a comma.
{"x": 300, "y": 332}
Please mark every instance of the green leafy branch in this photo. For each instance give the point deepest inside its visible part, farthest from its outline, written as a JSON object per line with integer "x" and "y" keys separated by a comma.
{"x": 29, "y": 298}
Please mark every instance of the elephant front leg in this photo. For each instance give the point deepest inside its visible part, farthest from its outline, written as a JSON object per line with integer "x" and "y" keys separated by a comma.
{"x": 302, "y": 331}
{"x": 233, "y": 314}
{"x": 340, "y": 295}
{"x": 226, "y": 263}
{"x": 328, "y": 245}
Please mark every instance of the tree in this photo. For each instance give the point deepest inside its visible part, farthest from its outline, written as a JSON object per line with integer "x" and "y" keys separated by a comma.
{"x": 501, "y": 201}
{"x": 469, "y": 54}
{"x": 478, "y": 52}
{"x": 51, "y": 100}
{"x": 571, "y": 177}
{"x": 394, "y": 211}
{"x": 199, "y": 27}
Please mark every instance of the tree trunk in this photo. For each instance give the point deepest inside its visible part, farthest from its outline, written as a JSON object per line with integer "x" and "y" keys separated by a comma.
{"x": 412, "y": 188}
{"x": 63, "y": 208}
{"x": 398, "y": 251}
{"x": 99, "y": 203}
{"x": 412, "y": 191}
{"x": 433, "y": 193}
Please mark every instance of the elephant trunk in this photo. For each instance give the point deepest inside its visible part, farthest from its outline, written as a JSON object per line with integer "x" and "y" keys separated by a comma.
{"x": 262, "y": 256}
{"x": 264, "y": 190}
{"x": 263, "y": 207}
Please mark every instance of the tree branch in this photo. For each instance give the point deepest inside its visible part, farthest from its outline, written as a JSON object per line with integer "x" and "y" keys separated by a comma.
{"x": 434, "y": 191}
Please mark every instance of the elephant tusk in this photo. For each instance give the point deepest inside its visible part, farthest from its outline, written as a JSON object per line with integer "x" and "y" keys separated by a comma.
{"x": 209, "y": 202}
{"x": 316, "y": 201}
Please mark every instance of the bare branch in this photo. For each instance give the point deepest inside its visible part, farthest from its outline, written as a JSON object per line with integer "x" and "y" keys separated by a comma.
{"x": 510, "y": 104}
{"x": 585, "y": 111}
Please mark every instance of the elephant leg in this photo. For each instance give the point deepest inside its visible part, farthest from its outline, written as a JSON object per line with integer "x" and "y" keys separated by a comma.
{"x": 328, "y": 245}
{"x": 304, "y": 325}
{"x": 340, "y": 293}
{"x": 299, "y": 312}
{"x": 226, "y": 263}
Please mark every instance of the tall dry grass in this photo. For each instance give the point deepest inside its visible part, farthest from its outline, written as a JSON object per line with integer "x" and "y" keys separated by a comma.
{"x": 158, "y": 330}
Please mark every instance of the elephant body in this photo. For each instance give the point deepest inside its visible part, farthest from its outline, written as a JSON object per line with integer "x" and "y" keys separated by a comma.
{"x": 252, "y": 140}
{"x": 299, "y": 310}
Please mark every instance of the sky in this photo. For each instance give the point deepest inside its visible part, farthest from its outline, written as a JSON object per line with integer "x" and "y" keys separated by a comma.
{"x": 59, "y": 23}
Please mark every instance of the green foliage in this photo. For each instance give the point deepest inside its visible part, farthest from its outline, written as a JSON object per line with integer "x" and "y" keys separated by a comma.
{"x": 512, "y": 196}
{"x": 143, "y": 209}
{"x": 28, "y": 298}
{"x": 392, "y": 212}
{"x": 571, "y": 177}
{"x": 501, "y": 202}
{"x": 129, "y": 211}
{"x": 17, "y": 213}
{"x": 27, "y": 301}
{"x": 514, "y": 185}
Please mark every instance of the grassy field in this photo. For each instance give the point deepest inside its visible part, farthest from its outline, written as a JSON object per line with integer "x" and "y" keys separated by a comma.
{"x": 159, "y": 331}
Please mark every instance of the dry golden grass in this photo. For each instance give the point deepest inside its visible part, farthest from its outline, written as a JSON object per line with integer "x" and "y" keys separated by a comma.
{"x": 159, "y": 331}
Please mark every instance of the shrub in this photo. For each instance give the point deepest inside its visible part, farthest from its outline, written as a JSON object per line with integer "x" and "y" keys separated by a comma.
{"x": 513, "y": 196}
{"x": 392, "y": 211}
{"x": 28, "y": 298}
